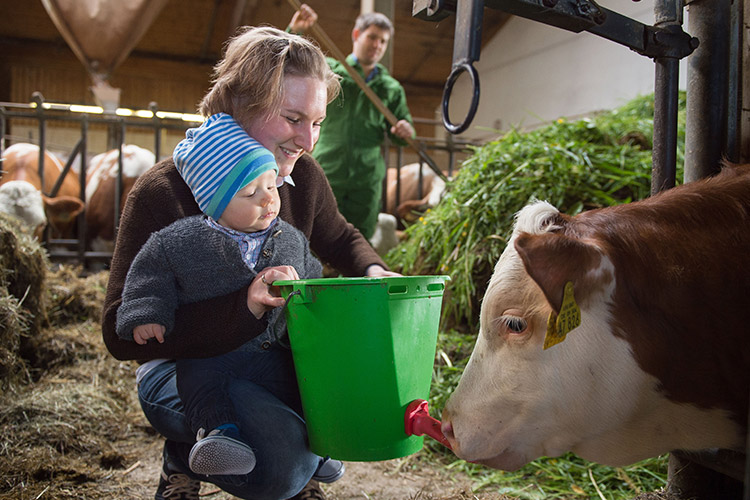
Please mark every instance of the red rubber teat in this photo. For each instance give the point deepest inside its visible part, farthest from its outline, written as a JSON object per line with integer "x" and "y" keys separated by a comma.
{"x": 418, "y": 422}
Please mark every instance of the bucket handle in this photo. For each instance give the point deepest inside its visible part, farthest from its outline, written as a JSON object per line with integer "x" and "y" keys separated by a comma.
{"x": 279, "y": 339}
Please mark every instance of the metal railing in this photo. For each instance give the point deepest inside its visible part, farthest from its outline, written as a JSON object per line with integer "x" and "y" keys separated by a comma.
{"x": 39, "y": 115}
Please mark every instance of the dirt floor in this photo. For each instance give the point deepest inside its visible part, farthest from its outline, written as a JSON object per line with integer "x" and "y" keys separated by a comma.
{"x": 388, "y": 480}
{"x": 72, "y": 428}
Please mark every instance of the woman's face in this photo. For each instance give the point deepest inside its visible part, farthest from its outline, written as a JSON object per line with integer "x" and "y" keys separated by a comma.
{"x": 295, "y": 129}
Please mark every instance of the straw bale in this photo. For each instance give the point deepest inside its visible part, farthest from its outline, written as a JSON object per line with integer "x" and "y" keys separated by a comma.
{"x": 71, "y": 300}
{"x": 56, "y": 347}
{"x": 14, "y": 323}
{"x": 24, "y": 264}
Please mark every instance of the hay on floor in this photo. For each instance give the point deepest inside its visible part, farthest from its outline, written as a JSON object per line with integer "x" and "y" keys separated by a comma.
{"x": 23, "y": 267}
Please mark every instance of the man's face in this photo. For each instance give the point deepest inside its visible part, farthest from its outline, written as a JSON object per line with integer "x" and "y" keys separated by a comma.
{"x": 370, "y": 44}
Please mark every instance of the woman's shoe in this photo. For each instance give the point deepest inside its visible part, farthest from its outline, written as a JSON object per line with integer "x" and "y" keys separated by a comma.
{"x": 173, "y": 483}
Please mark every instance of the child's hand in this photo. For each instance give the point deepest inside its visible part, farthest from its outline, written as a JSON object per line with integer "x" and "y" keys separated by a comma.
{"x": 142, "y": 333}
{"x": 262, "y": 296}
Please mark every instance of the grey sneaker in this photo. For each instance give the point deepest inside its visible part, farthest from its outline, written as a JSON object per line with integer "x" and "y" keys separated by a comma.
{"x": 175, "y": 485}
{"x": 329, "y": 470}
{"x": 221, "y": 452}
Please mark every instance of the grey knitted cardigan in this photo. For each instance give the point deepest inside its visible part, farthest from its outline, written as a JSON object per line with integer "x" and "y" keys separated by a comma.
{"x": 188, "y": 261}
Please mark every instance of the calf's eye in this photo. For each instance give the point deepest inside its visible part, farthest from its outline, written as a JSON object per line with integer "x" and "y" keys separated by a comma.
{"x": 514, "y": 324}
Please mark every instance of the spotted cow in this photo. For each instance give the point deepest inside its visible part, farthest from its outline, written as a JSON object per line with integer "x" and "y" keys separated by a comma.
{"x": 618, "y": 334}
{"x": 101, "y": 189}
{"x": 411, "y": 200}
{"x": 25, "y": 194}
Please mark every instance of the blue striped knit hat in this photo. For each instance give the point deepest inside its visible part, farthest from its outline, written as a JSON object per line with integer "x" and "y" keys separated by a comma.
{"x": 218, "y": 159}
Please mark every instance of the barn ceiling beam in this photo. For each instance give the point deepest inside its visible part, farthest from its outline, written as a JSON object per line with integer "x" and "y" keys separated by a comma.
{"x": 59, "y": 45}
{"x": 211, "y": 25}
{"x": 238, "y": 14}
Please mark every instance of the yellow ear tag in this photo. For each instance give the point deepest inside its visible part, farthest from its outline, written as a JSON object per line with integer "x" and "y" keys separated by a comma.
{"x": 558, "y": 326}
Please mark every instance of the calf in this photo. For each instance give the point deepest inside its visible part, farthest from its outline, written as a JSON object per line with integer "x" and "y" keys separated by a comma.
{"x": 21, "y": 165}
{"x": 410, "y": 198}
{"x": 24, "y": 201}
{"x": 661, "y": 358}
{"x": 101, "y": 187}
{"x": 386, "y": 235}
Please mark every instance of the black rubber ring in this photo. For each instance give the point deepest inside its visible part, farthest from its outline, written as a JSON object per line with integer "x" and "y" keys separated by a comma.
{"x": 455, "y": 73}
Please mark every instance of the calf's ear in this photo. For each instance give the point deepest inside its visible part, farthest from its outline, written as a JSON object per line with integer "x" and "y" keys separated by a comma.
{"x": 63, "y": 208}
{"x": 553, "y": 259}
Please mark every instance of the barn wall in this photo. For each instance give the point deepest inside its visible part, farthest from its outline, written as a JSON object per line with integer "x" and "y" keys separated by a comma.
{"x": 174, "y": 86}
{"x": 531, "y": 73}
{"x": 61, "y": 77}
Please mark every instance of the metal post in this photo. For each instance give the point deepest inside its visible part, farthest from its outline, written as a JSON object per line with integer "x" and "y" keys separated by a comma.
{"x": 666, "y": 82}
{"x": 399, "y": 163}
{"x": 706, "y": 120}
{"x": 735, "y": 78}
{"x": 664, "y": 154}
{"x": 157, "y": 130}
{"x": 118, "y": 183}
{"x": 3, "y": 125}
{"x": 39, "y": 100}
{"x": 82, "y": 217}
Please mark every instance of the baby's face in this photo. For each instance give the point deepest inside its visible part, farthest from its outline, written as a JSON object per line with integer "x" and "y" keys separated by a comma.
{"x": 254, "y": 207}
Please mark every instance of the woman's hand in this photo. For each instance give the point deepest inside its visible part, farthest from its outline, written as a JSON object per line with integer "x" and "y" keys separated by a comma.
{"x": 377, "y": 271}
{"x": 262, "y": 296}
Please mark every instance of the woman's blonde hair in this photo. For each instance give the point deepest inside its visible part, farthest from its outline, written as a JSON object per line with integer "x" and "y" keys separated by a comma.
{"x": 248, "y": 81}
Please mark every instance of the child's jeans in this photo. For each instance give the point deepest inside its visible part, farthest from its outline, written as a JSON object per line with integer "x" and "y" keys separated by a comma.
{"x": 203, "y": 383}
{"x": 268, "y": 419}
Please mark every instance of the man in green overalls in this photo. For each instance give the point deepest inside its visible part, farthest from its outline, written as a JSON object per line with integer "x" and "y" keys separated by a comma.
{"x": 351, "y": 136}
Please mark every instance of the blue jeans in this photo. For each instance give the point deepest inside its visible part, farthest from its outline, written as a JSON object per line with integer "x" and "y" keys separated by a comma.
{"x": 203, "y": 383}
{"x": 275, "y": 431}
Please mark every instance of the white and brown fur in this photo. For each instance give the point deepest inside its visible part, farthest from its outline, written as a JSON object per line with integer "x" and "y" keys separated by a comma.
{"x": 661, "y": 360}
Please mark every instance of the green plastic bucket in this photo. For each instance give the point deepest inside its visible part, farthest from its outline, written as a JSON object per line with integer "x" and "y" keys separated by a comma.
{"x": 363, "y": 349}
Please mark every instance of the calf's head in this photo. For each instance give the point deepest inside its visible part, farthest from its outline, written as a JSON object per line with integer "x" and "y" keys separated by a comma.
{"x": 537, "y": 387}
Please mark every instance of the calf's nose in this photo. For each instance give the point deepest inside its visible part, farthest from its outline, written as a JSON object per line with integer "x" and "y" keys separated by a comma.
{"x": 447, "y": 429}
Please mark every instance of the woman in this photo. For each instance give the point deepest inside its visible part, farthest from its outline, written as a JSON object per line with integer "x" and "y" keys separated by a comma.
{"x": 277, "y": 86}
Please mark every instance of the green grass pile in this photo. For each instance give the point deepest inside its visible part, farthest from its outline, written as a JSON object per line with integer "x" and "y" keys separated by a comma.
{"x": 575, "y": 165}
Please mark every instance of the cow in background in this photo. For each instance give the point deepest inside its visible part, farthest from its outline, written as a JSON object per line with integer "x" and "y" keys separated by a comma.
{"x": 101, "y": 189}
{"x": 411, "y": 201}
{"x": 386, "y": 235}
{"x": 22, "y": 191}
{"x": 618, "y": 334}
